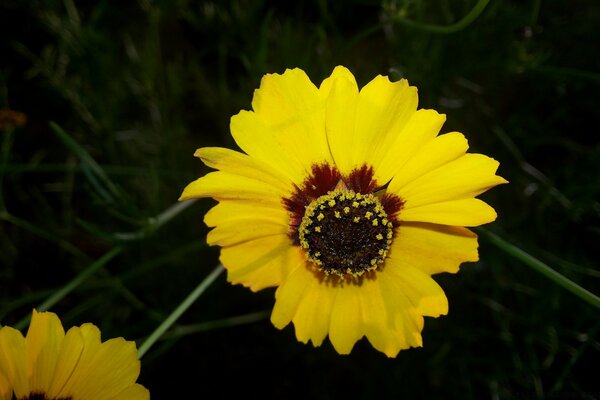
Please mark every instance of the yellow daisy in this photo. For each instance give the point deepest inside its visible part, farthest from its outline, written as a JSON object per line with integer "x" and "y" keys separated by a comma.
{"x": 348, "y": 201}
{"x": 48, "y": 364}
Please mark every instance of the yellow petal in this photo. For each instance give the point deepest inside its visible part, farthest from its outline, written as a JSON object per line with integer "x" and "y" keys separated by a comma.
{"x": 464, "y": 212}
{"x": 341, "y": 97}
{"x": 81, "y": 375}
{"x": 379, "y": 319}
{"x": 290, "y": 294}
{"x": 237, "y": 222}
{"x": 305, "y": 301}
{"x": 44, "y": 339}
{"x": 287, "y": 128}
{"x": 420, "y": 289}
{"x": 262, "y": 262}
{"x": 227, "y": 211}
{"x": 263, "y": 143}
{"x": 419, "y": 130}
{"x": 68, "y": 358}
{"x": 13, "y": 360}
{"x": 134, "y": 392}
{"x": 432, "y": 155}
{"x": 346, "y": 326}
{"x": 112, "y": 369}
{"x": 390, "y": 324}
{"x": 405, "y": 321}
{"x": 226, "y": 186}
{"x": 290, "y": 103}
{"x": 433, "y": 248}
{"x": 383, "y": 111}
{"x": 243, "y": 230}
{"x": 240, "y": 164}
{"x": 314, "y": 314}
{"x": 467, "y": 176}
{"x": 5, "y": 387}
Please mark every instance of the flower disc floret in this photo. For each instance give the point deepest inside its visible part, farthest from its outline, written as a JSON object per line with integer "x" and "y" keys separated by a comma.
{"x": 346, "y": 233}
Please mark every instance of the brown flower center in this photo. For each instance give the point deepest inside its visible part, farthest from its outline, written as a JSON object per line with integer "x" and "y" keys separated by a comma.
{"x": 344, "y": 223}
{"x": 346, "y": 233}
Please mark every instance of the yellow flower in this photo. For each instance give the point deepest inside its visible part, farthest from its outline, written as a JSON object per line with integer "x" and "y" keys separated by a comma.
{"x": 48, "y": 364}
{"x": 348, "y": 201}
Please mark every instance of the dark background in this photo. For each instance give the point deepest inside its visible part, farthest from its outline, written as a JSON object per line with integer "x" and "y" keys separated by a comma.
{"x": 140, "y": 85}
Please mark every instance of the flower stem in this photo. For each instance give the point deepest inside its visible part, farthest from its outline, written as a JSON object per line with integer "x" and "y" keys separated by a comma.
{"x": 73, "y": 284}
{"x": 541, "y": 267}
{"x": 216, "y": 324}
{"x": 445, "y": 29}
{"x": 181, "y": 308}
{"x": 88, "y": 161}
{"x": 155, "y": 223}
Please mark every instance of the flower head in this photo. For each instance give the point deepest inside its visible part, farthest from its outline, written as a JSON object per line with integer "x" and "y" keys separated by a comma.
{"x": 348, "y": 201}
{"x": 48, "y": 364}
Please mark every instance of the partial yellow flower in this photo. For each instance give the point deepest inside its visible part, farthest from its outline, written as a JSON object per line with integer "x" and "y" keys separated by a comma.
{"x": 348, "y": 201}
{"x": 48, "y": 364}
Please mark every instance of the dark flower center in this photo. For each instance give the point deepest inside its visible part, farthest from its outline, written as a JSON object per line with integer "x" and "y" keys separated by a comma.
{"x": 346, "y": 233}
{"x": 332, "y": 217}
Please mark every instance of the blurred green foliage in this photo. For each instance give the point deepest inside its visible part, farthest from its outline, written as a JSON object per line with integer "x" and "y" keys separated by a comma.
{"x": 134, "y": 87}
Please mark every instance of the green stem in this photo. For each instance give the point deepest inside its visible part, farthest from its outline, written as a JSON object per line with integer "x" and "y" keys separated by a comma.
{"x": 445, "y": 29}
{"x": 86, "y": 158}
{"x": 541, "y": 267}
{"x": 181, "y": 308}
{"x": 220, "y": 323}
{"x": 43, "y": 233}
{"x": 73, "y": 284}
{"x": 155, "y": 223}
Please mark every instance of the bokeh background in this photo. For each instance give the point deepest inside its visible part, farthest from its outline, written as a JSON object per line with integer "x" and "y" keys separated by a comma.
{"x": 118, "y": 95}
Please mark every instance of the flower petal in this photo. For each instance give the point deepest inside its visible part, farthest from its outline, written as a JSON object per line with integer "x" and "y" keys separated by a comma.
{"x": 430, "y": 156}
{"x": 70, "y": 353}
{"x": 464, "y": 212}
{"x": 420, "y": 129}
{"x": 379, "y": 320}
{"x": 241, "y": 164}
{"x": 287, "y": 128}
{"x": 346, "y": 325}
{"x": 402, "y": 327}
{"x": 108, "y": 370}
{"x": 406, "y": 319}
{"x": 263, "y": 143}
{"x": 420, "y": 289}
{"x": 236, "y": 222}
{"x": 262, "y": 262}
{"x": 467, "y": 176}
{"x": 242, "y": 230}
{"x": 5, "y": 387}
{"x": 384, "y": 110}
{"x": 226, "y": 186}
{"x": 90, "y": 337}
{"x": 305, "y": 301}
{"x": 44, "y": 339}
{"x": 227, "y": 211}
{"x": 313, "y": 316}
{"x": 13, "y": 360}
{"x": 341, "y": 93}
{"x": 361, "y": 126}
{"x": 433, "y": 248}
{"x": 289, "y": 295}
{"x": 134, "y": 392}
